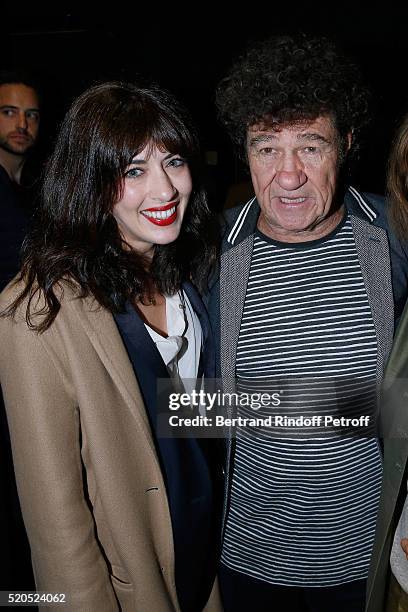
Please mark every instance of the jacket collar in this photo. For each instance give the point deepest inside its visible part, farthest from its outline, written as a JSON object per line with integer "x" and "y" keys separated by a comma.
{"x": 98, "y": 324}
{"x": 245, "y": 224}
{"x": 148, "y": 357}
{"x": 207, "y": 361}
{"x": 100, "y": 327}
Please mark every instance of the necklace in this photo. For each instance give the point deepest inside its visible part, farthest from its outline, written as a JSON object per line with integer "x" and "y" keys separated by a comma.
{"x": 182, "y": 304}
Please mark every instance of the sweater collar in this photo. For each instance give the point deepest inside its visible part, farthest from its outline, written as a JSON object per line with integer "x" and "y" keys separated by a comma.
{"x": 245, "y": 224}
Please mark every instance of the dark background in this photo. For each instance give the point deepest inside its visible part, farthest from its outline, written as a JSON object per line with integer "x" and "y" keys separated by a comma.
{"x": 188, "y": 49}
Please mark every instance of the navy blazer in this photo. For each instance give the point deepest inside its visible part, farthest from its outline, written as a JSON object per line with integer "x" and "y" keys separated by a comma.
{"x": 188, "y": 467}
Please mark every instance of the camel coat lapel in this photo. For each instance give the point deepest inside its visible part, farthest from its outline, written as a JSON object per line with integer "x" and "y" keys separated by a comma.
{"x": 99, "y": 325}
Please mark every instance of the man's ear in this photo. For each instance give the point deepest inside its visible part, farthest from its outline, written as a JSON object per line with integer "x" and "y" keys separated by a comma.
{"x": 349, "y": 141}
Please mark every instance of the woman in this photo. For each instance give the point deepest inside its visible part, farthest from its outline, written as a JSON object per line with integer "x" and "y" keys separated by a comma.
{"x": 117, "y": 517}
{"x": 391, "y": 540}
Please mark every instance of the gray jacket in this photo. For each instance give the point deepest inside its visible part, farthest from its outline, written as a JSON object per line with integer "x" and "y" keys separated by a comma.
{"x": 384, "y": 265}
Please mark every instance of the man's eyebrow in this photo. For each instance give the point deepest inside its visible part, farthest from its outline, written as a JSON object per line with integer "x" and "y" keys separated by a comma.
{"x": 313, "y": 136}
{"x": 261, "y": 138}
{"x": 26, "y": 110}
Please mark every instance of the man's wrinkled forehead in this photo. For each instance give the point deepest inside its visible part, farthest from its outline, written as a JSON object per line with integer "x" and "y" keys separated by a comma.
{"x": 19, "y": 95}
{"x": 321, "y": 129}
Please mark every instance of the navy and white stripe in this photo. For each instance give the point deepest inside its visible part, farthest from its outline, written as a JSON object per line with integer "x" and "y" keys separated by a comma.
{"x": 303, "y": 507}
{"x": 240, "y": 221}
{"x": 362, "y": 202}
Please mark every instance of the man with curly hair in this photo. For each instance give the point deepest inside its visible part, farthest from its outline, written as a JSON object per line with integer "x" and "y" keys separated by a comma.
{"x": 311, "y": 284}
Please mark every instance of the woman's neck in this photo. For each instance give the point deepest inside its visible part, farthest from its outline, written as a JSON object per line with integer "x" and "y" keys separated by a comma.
{"x": 153, "y": 312}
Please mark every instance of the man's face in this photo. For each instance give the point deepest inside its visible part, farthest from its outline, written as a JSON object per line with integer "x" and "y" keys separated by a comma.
{"x": 294, "y": 173}
{"x": 19, "y": 118}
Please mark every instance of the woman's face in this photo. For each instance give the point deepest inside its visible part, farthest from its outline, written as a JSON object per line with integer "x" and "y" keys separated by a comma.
{"x": 155, "y": 195}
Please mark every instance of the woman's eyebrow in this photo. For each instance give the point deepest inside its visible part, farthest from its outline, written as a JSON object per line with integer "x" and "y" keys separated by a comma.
{"x": 144, "y": 161}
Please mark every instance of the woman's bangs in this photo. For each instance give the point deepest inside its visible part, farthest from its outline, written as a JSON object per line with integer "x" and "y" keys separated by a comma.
{"x": 162, "y": 134}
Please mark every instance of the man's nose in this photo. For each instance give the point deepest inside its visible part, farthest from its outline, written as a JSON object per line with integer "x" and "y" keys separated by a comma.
{"x": 290, "y": 175}
{"x": 22, "y": 121}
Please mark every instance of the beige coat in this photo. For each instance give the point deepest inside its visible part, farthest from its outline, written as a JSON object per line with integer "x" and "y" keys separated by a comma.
{"x": 91, "y": 490}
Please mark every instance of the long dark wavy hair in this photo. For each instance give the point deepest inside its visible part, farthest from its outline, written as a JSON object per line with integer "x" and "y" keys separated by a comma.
{"x": 76, "y": 238}
{"x": 397, "y": 180}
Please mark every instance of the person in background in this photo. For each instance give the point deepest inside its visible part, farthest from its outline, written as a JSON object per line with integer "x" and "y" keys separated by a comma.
{"x": 312, "y": 280}
{"x": 19, "y": 130}
{"x": 118, "y": 518}
{"x": 390, "y": 550}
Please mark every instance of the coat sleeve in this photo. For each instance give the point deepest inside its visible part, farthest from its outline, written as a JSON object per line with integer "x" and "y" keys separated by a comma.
{"x": 45, "y": 430}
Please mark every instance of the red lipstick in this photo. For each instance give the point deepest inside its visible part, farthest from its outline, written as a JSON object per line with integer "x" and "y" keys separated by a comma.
{"x": 164, "y": 207}
{"x": 149, "y": 214}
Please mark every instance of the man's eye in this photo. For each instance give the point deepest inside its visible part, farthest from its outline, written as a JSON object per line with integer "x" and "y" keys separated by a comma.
{"x": 311, "y": 150}
{"x": 133, "y": 172}
{"x": 8, "y": 112}
{"x": 266, "y": 151}
{"x": 34, "y": 116}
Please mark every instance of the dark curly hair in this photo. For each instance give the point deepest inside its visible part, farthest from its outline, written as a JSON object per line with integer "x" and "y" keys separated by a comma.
{"x": 77, "y": 240}
{"x": 287, "y": 79}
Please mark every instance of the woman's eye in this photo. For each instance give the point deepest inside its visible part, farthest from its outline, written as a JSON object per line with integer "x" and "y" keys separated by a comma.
{"x": 310, "y": 149}
{"x": 176, "y": 162}
{"x": 133, "y": 172}
{"x": 267, "y": 151}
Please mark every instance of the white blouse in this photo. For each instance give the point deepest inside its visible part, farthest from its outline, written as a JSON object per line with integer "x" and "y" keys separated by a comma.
{"x": 181, "y": 349}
